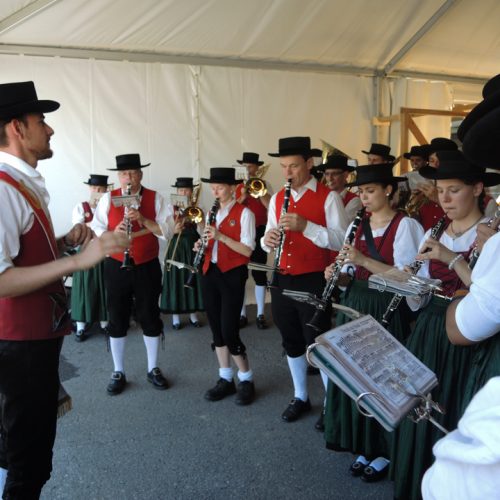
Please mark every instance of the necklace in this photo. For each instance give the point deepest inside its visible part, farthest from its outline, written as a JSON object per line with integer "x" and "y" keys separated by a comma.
{"x": 457, "y": 234}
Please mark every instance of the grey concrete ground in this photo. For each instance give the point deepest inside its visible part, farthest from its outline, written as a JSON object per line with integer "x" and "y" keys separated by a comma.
{"x": 149, "y": 444}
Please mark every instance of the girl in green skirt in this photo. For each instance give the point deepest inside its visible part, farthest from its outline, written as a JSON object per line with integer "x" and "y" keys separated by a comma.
{"x": 384, "y": 239}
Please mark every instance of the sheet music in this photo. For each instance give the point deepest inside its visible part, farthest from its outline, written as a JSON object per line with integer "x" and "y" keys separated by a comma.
{"x": 403, "y": 283}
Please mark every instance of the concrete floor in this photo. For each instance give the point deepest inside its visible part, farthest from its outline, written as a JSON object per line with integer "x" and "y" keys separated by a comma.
{"x": 149, "y": 444}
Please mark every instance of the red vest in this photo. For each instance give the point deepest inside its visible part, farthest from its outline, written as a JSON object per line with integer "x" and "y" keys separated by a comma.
{"x": 87, "y": 212}
{"x": 145, "y": 247}
{"x": 300, "y": 255}
{"x": 349, "y": 195}
{"x": 384, "y": 245}
{"x": 429, "y": 214}
{"x": 227, "y": 258}
{"x": 33, "y": 316}
{"x": 255, "y": 205}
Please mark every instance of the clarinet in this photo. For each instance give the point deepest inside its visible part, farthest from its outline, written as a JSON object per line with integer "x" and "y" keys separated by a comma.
{"x": 127, "y": 263}
{"x": 210, "y": 221}
{"x": 414, "y": 268}
{"x": 273, "y": 283}
{"x": 318, "y": 317}
{"x": 475, "y": 251}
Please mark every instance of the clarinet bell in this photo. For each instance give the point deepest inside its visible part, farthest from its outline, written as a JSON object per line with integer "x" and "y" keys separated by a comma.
{"x": 317, "y": 321}
{"x": 128, "y": 262}
{"x": 190, "y": 280}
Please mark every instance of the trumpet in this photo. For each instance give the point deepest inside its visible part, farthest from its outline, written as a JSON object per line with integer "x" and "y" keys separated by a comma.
{"x": 128, "y": 262}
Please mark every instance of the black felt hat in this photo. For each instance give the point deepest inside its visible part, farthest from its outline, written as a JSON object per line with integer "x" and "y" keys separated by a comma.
{"x": 19, "y": 98}
{"x": 222, "y": 175}
{"x": 129, "y": 162}
{"x": 184, "y": 182}
{"x": 454, "y": 165}
{"x": 442, "y": 144}
{"x": 252, "y": 158}
{"x": 380, "y": 150}
{"x": 97, "y": 180}
{"x": 480, "y": 131}
{"x": 337, "y": 162}
{"x": 289, "y": 146}
{"x": 368, "y": 174}
{"x": 421, "y": 151}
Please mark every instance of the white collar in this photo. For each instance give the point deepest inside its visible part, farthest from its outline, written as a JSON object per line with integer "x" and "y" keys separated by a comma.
{"x": 19, "y": 164}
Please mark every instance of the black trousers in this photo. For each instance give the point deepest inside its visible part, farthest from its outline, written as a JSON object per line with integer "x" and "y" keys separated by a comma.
{"x": 142, "y": 283}
{"x": 223, "y": 295}
{"x": 29, "y": 386}
{"x": 291, "y": 316}
{"x": 259, "y": 256}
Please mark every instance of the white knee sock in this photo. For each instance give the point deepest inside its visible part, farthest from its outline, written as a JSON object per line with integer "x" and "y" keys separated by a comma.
{"x": 245, "y": 376}
{"x": 104, "y": 324}
{"x": 152, "y": 347}
{"x": 80, "y": 325}
{"x": 226, "y": 373}
{"x": 175, "y": 319}
{"x": 3, "y": 478}
{"x": 117, "y": 347}
{"x": 260, "y": 298}
{"x": 298, "y": 369}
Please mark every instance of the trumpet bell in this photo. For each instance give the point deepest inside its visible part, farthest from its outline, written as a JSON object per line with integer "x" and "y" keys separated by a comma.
{"x": 193, "y": 214}
{"x": 256, "y": 188}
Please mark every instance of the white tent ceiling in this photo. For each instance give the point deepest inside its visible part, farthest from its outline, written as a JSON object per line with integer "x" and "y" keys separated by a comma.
{"x": 450, "y": 40}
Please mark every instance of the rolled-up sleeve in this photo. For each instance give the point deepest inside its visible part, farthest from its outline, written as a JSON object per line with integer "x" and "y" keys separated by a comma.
{"x": 247, "y": 223}
{"x": 99, "y": 223}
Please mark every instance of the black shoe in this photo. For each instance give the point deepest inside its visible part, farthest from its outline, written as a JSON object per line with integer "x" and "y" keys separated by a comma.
{"x": 372, "y": 475}
{"x": 358, "y": 466}
{"x": 176, "y": 326}
{"x": 157, "y": 379}
{"x": 312, "y": 370}
{"x": 117, "y": 383}
{"x": 243, "y": 321}
{"x": 246, "y": 393}
{"x": 80, "y": 336}
{"x": 196, "y": 323}
{"x": 261, "y": 322}
{"x": 222, "y": 389}
{"x": 320, "y": 423}
{"x": 295, "y": 409}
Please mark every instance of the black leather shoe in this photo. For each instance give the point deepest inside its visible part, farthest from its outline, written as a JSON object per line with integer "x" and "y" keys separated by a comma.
{"x": 243, "y": 321}
{"x": 246, "y": 393}
{"x": 196, "y": 324}
{"x": 295, "y": 409}
{"x": 156, "y": 377}
{"x": 320, "y": 423}
{"x": 222, "y": 389}
{"x": 372, "y": 475}
{"x": 80, "y": 336}
{"x": 117, "y": 383}
{"x": 176, "y": 326}
{"x": 261, "y": 322}
{"x": 358, "y": 466}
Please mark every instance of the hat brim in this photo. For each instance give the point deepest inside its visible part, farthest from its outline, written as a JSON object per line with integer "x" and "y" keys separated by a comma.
{"x": 259, "y": 163}
{"x": 434, "y": 174}
{"x": 326, "y": 167}
{"x": 389, "y": 158}
{"x": 214, "y": 180}
{"x": 387, "y": 180}
{"x": 129, "y": 167}
{"x": 191, "y": 187}
{"x": 100, "y": 185}
{"x": 42, "y": 106}
{"x": 291, "y": 152}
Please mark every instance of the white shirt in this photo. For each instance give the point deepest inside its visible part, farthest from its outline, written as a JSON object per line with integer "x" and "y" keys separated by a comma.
{"x": 408, "y": 234}
{"x": 352, "y": 207}
{"x": 331, "y": 236}
{"x": 164, "y": 216}
{"x": 247, "y": 224}
{"x": 467, "y": 465}
{"x": 478, "y": 314}
{"x": 16, "y": 215}
{"x": 78, "y": 214}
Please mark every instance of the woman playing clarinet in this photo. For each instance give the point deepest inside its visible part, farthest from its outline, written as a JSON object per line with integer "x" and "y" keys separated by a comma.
{"x": 384, "y": 239}
{"x": 460, "y": 189}
{"x": 176, "y": 299}
{"x": 229, "y": 244}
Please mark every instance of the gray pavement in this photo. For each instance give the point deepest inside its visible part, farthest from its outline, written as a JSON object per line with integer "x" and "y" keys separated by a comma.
{"x": 149, "y": 444}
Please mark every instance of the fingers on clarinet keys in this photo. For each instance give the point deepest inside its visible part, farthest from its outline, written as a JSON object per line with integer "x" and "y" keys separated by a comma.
{"x": 155, "y": 377}
{"x": 295, "y": 409}
{"x": 116, "y": 384}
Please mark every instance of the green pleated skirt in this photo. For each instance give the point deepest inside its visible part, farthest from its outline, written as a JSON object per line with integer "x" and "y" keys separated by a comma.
{"x": 88, "y": 295}
{"x": 345, "y": 428}
{"x": 175, "y": 297}
{"x": 411, "y": 453}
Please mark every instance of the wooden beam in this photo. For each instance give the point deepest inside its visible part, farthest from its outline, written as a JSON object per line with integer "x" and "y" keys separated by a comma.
{"x": 413, "y": 127}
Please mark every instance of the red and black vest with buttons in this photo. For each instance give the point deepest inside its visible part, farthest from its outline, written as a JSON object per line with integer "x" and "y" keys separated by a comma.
{"x": 87, "y": 212}
{"x": 384, "y": 245}
{"x": 429, "y": 214}
{"x": 227, "y": 258}
{"x": 300, "y": 255}
{"x": 255, "y": 205}
{"x": 42, "y": 314}
{"x": 349, "y": 195}
{"x": 143, "y": 248}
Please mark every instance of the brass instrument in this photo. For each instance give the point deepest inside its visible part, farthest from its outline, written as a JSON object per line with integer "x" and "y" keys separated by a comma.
{"x": 256, "y": 187}
{"x": 328, "y": 150}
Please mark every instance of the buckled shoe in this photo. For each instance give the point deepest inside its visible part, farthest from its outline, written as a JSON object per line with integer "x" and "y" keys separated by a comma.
{"x": 156, "y": 377}
{"x": 117, "y": 383}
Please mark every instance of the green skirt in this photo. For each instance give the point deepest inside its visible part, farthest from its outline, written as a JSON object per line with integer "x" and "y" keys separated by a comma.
{"x": 175, "y": 297}
{"x": 345, "y": 428}
{"x": 412, "y": 446}
{"x": 88, "y": 295}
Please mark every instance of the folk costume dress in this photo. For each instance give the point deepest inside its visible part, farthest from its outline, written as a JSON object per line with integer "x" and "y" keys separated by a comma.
{"x": 397, "y": 244}
{"x": 88, "y": 293}
{"x": 412, "y": 450}
{"x": 175, "y": 297}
